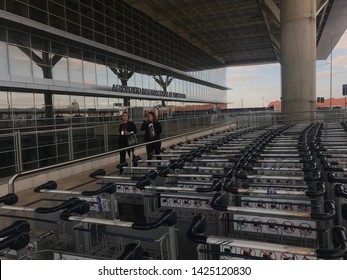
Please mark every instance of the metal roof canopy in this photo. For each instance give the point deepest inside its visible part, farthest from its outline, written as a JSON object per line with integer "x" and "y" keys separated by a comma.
{"x": 238, "y": 32}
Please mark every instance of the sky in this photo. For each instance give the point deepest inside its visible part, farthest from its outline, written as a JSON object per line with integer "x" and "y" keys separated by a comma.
{"x": 257, "y": 85}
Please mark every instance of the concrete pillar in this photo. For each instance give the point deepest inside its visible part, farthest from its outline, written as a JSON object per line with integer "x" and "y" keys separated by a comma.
{"x": 298, "y": 59}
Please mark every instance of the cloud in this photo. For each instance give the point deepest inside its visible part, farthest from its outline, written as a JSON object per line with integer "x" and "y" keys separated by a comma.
{"x": 259, "y": 74}
{"x": 340, "y": 61}
{"x": 242, "y": 78}
{"x": 323, "y": 74}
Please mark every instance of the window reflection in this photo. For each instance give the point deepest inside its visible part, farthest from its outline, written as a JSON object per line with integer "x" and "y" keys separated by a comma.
{"x": 62, "y": 63}
{"x": 101, "y": 74}
{"x": 60, "y": 69}
{"x": 3, "y": 60}
{"x": 75, "y": 70}
{"x": 20, "y": 63}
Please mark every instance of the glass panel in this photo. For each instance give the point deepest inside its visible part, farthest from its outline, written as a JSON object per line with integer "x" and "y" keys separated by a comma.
{"x": 44, "y": 112}
{"x": 7, "y": 155}
{"x": 38, "y": 15}
{"x": 73, "y": 15}
{"x": 101, "y": 75}
{"x": 18, "y": 38}
{"x": 78, "y": 109}
{"x": 6, "y": 110}
{"x": 20, "y": 62}
{"x": 89, "y": 67}
{"x": 41, "y": 4}
{"x": 60, "y": 69}
{"x": 57, "y": 22}
{"x": 3, "y": 59}
{"x": 37, "y": 71}
{"x": 62, "y": 109}
{"x": 39, "y": 43}
{"x": 23, "y": 108}
{"x": 29, "y": 152}
{"x": 56, "y": 9}
{"x": 75, "y": 70}
{"x": 75, "y": 65}
{"x": 17, "y": 8}
{"x": 3, "y": 36}
{"x": 89, "y": 73}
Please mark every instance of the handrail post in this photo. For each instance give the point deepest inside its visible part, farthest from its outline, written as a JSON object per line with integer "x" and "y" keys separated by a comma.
{"x": 106, "y": 137}
{"x": 18, "y": 151}
{"x": 70, "y": 141}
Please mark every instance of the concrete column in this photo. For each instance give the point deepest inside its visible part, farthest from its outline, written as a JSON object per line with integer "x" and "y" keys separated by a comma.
{"x": 298, "y": 59}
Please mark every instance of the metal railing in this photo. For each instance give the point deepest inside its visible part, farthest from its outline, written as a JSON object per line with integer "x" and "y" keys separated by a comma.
{"x": 26, "y": 149}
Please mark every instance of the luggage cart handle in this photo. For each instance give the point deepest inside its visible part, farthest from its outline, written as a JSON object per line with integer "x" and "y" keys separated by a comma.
{"x": 230, "y": 187}
{"x": 72, "y": 202}
{"x": 17, "y": 227}
{"x": 168, "y": 218}
{"x": 319, "y": 191}
{"x": 164, "y": 171}
{"x": 340, "y": 191}
{"x": 227, "y": 174}
{"x": 312, "y": 166}
{"x": 143, "y": 183}
{"x": 50, "y": 185}
{"x": 328, "y": 166}
{"x": 152, "y": 174}
{"x": 330, "y": 211}
{"x": 196, "y": 230}
{"x": 340, "y": 244}
{"x": 216, "y": 186}
{"x": 332, "y": 178}
{"x": 9, "y": 199}
{"x": 108, "y": 188}
{"x": 176, "y": 164}
{"x": 99, "y": 172}
{"x": 316, "y": 176}
{"x": 216, "y": 203}
{"x": 80, "y": 208}
{"x": 15, "y": 241}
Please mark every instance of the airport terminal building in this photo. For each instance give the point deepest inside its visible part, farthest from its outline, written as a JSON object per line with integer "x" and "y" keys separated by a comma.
{"x": 102, "y": 55}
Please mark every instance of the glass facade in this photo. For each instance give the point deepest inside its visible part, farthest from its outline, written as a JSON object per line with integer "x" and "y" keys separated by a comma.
{"x": 36, "y": 57}
{"x": 117, "y": 24}
{"x": 58, "y": 68}
{"x": 30, "y": 58}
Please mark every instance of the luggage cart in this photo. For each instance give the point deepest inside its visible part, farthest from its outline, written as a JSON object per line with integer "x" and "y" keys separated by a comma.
{"x": 82, "y": 240}
{"x": 47, "y": 230}
{"x": 274, "y": 190}
{"x": 14, "y": 237}
{"x": 105, "y": 237}
{"x": 287, "y": 221}
{"x": 233, "y": 248}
